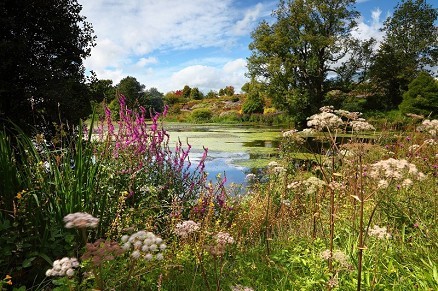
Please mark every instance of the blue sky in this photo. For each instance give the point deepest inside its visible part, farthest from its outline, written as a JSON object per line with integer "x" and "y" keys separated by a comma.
{"x": 167, "y": 44}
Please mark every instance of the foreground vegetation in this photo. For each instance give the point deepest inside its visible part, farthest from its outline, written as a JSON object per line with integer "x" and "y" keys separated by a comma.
{"x": 125, "y": 210}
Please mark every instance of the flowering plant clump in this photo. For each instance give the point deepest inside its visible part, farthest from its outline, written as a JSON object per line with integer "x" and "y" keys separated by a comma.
{"x": 80, "y": 220}
{"x": 430, "y": 126}
{"x": 361, "y": 125}
{"x": 324, "y": 120}
{"x": 394, "y": 169}
{"x": 379, "y": 232}
{"x": 101, "y": 251}
{"x": 221, "y": 241}
{"x": 63, "y": 267}
{"x": 185, "y": 228}
{"x": 144, "y": 244}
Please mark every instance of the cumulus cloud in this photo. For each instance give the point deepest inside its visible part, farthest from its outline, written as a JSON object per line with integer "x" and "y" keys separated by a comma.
{"x": 368, "y": 29}
{"x": 208, "y": 78}
{"x": 133, "y": 35}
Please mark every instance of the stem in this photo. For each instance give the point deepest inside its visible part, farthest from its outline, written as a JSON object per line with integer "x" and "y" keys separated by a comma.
{"x": 361, "y": 242}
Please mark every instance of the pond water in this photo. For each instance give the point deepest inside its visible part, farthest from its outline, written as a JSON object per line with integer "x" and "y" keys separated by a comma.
{"x": 233, "y": 150}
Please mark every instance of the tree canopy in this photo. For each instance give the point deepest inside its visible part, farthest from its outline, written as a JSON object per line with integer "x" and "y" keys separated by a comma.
{"x": 294, "y": 56}
{"x": 42, "y": 47}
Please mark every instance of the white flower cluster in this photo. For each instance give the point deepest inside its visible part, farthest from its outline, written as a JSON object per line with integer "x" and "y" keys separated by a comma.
{"x": 347, "y": 114}
{"x": 324, "y": 120}
{"x": 251, "y": 177}
{"x": 224, "y": 238}
{"x": 144, "y": 244}
{"x": 394, "y": 169}
{"x": 361, "y": 125}
{"x": 379, "y": 232}
{"x": 221, "y": 241}
{"x": 273, "y": 164}
{"x": 185, "y": 228}
{"x": 431, "y": 126}
{"x": 338, "y": 255}
{"x": 313, "y": 184}
{"x": 289, "y": 133}
{"x": 80, "y": 220}
{"x": 63, "y": 267}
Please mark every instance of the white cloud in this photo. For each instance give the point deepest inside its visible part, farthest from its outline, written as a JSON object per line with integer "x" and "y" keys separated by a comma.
{"x": 208, "y": 78}
{"x": 245, "y": 25}
{"x": 142, "y": 62}
{"x": 366, "y": 30}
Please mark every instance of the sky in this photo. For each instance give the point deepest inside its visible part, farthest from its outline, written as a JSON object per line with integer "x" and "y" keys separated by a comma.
{"x": 167, "y": 44}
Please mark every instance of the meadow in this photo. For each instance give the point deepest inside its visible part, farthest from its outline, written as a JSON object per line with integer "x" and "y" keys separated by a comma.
{"x": 120, "y": 207}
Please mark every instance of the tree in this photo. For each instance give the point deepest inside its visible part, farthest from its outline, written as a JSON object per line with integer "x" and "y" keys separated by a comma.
{"x": 196, "y": 94}
{"x": 294, "y": 55}
{"x": 410, "y": 45}
{"x": 254, "y": 102}
{"x": 186, "y": 91}
{"x": 229, "y": 90}
{"x": 102, "y": 90}
{"x": 153, "y": 100}
{"x": 42, "y": 47}
{"x": 132, "y": 90}
{"x": 211, "y": 94}
{"x": 422, "y": 96}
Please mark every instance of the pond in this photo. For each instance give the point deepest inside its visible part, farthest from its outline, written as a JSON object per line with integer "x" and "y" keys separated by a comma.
{"x": 233, "y": 150}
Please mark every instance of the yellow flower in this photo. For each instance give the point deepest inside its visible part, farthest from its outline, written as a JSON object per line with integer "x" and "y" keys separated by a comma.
{"x": 9, "y": 282}
{"x": 19, "y": 195}
{"x": 8, "y": 277}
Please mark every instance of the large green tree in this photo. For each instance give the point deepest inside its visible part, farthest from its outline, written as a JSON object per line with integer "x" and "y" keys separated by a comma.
{"x": 294, "y": 56}
{"x": 422, "y": 96}
{"x": 42, "y": 47}
{"x": 410, "y": 45}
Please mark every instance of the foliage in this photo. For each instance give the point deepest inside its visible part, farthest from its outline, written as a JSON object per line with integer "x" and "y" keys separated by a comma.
{"x": 421, "y": 97}
{"x": 201, "y": 115}
{"x": 195, "y": 94}
{"x": 43, "y": 45}
{"x": 254, "y": 102}
{"x": 132, "y": 90}
{"x": 293, "y": 55}
{"x": 410, "y": 45}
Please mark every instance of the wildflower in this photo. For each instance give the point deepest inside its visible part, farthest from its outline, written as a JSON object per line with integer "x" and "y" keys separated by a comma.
{"x": 431, "y": 126}
{"x": 135, "y": 254}
{"x": 333, "y": 281}
{"x": 324, "y": 120}
{"x": 250, "y": 177}
{"x": 347, "y": 114}
{"x": 63, "y": 267}
{"x": 379, "y": 232}
{"x": 289, "y": 133}
{"x": 273, "y": 164}
{"x": 185, "y": 228}
{"x": 325, "y": 255}
{"x": 394, "y": 169}
{"x": 326, "y": 109}
{"x": 101, "y": 251}
{"x": 143, "y": 244}
{"x": 224, "y": 238}
{"x": 357, "y": 125}
{"x": 294, "y": 185}
{"x": 407, "y": 183}
{"x": 313, "y": 184}
{"x": 382, "y": 184}
{"x": 80, "y": 220}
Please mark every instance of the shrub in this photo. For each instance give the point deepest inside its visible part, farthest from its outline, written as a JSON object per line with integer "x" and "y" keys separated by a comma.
{"x": 201, "y": 115}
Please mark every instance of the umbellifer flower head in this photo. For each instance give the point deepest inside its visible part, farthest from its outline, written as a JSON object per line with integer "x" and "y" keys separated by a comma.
{"x": 63, "y": 267}
{"x": 80, "y": 220}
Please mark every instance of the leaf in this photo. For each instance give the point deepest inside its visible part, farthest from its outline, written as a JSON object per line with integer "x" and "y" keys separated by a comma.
{"x": 356, "y": 197}
{"x": 27, "y": 262}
